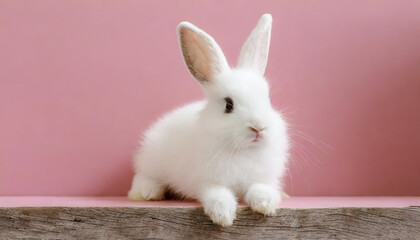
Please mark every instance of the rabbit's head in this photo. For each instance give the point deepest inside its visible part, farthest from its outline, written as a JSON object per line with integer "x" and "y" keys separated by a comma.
{"x": 238, "y": 109}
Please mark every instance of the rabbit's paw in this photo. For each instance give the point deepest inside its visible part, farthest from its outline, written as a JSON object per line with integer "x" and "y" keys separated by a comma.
{"x": 220, "y": 205}
{"x": 135, "y": 196}
{"x": 144, "y": 188}
{"x": 263, "y": 198}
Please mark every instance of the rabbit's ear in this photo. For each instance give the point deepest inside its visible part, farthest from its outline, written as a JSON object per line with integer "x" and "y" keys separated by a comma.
{"x": 254, "y": 52}
{"x": 201, "y": 53}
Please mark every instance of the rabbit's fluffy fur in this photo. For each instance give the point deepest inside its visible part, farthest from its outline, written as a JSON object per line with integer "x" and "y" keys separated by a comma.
{"x": 212, "y": 152}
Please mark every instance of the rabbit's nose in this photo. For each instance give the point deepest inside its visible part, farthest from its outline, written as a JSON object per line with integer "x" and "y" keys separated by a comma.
{"x": 256, "y": 129}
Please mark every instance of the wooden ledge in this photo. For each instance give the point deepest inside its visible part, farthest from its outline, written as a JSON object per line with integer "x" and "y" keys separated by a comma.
{"x": 297, "y": 217}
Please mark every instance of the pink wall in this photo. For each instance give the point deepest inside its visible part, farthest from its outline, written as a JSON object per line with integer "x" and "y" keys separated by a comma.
{"x": 79, "y": 81}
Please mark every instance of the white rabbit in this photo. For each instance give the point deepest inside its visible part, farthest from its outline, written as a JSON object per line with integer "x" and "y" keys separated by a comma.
{"x": 232, "y": 146}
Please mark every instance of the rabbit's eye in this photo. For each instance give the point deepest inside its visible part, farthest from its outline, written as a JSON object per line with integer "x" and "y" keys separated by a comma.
{"x": 229, "y": 105}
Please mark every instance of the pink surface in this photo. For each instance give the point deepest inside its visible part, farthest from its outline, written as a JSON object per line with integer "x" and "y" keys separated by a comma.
{"x": 80, "y": 80}
{"x": 294, "y": 202}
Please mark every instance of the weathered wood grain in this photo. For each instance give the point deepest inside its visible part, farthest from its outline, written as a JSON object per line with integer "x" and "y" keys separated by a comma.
{"x": 191, "y": 223}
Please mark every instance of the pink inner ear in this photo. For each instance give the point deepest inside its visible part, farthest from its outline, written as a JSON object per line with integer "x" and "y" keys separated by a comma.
{"x": 198, "y": 45}
{"x": 196, "y": 50}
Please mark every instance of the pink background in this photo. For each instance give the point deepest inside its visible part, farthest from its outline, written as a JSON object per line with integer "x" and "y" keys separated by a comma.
{"x": 80, "y": 80}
